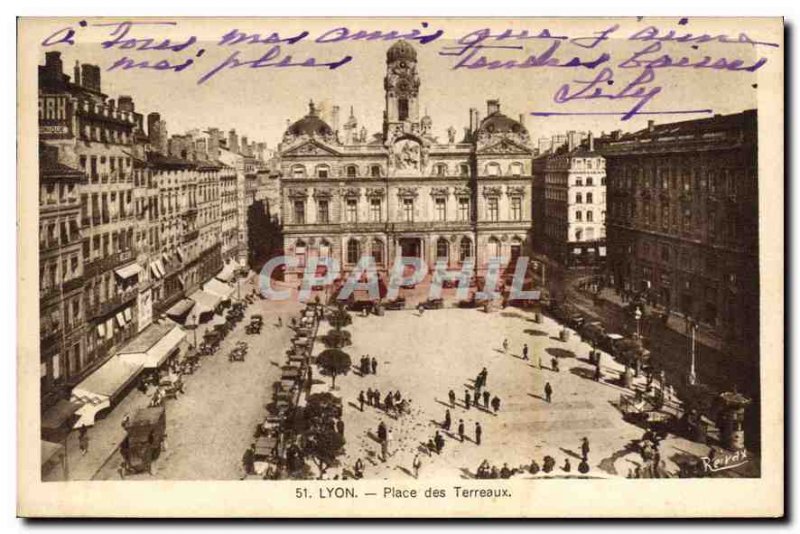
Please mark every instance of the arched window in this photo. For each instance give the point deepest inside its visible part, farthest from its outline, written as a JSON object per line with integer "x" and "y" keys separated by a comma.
{"x": 324, "y": 249}
{"x": 298, "y": 171}
{"x": 442, "y": 249}
{"x": 323, "y": 171}
{"x": 440, "y": 169}
{"x": 493, "y": 169}
{"x": 375, "y": 171}
{"x": 465, "y": 249}
{"x": 493, "y": 248}
{"x": 353, "y": 251}
{"x": 352, "y": 171}
{"x": 464, "y": 168}
{"x": 579, "y": 234}
{"x": 377, "y": 251}
{"x": 515, "y": 169}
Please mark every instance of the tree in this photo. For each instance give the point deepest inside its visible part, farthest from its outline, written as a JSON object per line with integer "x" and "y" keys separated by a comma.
{"x": 334, "y": 362}
{"x": 321, "y": 442}
{"x": 339, "y": 318}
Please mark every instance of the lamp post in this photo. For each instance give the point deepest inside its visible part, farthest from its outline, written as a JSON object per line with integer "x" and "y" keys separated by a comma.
{"x": 692, "y": 325}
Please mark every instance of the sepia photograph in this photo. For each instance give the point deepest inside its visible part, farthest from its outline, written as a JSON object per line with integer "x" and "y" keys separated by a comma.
{"x": 425, "y": 262}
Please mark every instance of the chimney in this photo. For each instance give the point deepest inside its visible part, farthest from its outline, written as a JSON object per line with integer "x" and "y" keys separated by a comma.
{"x": 335, "y": 118}
{"x": 492, "y": 106}
{"x": 244, "y": 146}
{"x": 52, "y": 62}
{"x": 651, "y": 125}
{"x": 76, "y": 73}
{"x": 111, "y": 104}
{"x": 591, "y": 142}
{"x": 472, "y": 125}
{"x": 522, "y": 119}
{"x": 90, "y": 74}
{"x": 126, "y": 103}
{"x": 214, "y": 136}
{"x": 233, "y": 142}
{"x": 571, "y": 136}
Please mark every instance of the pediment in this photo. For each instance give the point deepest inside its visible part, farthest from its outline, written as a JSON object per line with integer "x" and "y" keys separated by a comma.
{"x": 505, "y": 146}
{"x": 311, "y": 148}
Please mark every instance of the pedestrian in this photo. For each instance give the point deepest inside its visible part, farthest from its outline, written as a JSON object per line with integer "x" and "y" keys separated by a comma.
{"x": 452, "y": 396}
{"x": 248, "y": 460}
{"x": 388, "y": 402}
{"x": 467, "y": 399}
{"x": 340, "y": 427}
{"x": 374, "y": 366}
{"x": 416, "y": 464}
{"x": 486, "y": 396}
{"x": 388, "y": 443}
{"x": 381, "y": 431}
{"x": 554, "y": 364}
{"x": 505, "y": 472}
{"x": 438, "y": 441}
{"x": 361, "y": 400}
{"x": 540, "y": 362}
{"x": 496, "y": 403}
{"x": 567, "y": 466}
{"x": 461, "y": 429}
{"x": 280, "y": 322}
{"x": 377, "y": 398}
{"x": 126, "y": 421}
{"x": 83, "y": 440}
{"x": 447, "y": 420}
{"x": 484, "y": 374}
{"x": 478, "y": 433}
{"x": 369, "y": 396}
{"x": 585, "y": 448}
{"x": 525, "y": 352}
{"x": 505, "y": 346}
{"x": 548, "y": 392}
{"x": 359, "y": 469}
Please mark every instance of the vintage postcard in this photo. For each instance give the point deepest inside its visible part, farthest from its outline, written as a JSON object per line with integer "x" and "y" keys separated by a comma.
{"x": 409, "y": 267}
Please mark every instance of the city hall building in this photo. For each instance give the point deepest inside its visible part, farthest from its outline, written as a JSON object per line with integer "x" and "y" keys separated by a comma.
{"x": 346, "y": 194}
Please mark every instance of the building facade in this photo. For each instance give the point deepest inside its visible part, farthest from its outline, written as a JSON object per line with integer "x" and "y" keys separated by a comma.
{"x": 402, "y": 191}
{"x": 683, "y": 219}
{"x": 570, "y": 205}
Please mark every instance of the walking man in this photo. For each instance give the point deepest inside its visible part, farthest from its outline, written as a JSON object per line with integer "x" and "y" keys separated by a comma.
{"x": 461, "y": 430}
{"x": 361, "y": 399}
{"x": 478, "y": 433}
{"x": 374, "y": 366}
{"x": 585, "y": 449}
{"x": 548, "y": 392}
{"x": 486, "y": 397}
{"x": 505, "y": 346}
{"x": 466, "y": 399}
{"x": 452, "y": 396}
{"x": 416, "y": 464}
{"x": 525, "y": 352}
{"x": 496, "y": 403}
{"x": 447, "y": 420}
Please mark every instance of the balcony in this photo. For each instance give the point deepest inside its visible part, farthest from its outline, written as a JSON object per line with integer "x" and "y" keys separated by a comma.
{"x": 190, "y": 236}
{"x": 106, "y": 263}
{"x": 101, "y": 309}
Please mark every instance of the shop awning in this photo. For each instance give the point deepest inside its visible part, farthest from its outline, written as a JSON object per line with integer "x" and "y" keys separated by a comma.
{"x": 204, "y": 302}
{"x": 179, "y": 310}
{"x": 151, "y": 347}
{"x": 227, "y": 272}
{"x": 215, "y": 287}
{"x": 129, "y": 270}
{"x": 58, "y": 419}
{"x": 100, "y": 387}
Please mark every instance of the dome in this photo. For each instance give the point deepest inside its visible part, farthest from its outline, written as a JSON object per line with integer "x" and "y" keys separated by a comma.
{"x": 499, "y": 123}
{"x": 401, "y": 51}
{"x": 310, "y": 125}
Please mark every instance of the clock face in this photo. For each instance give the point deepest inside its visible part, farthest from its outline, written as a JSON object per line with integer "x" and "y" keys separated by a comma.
{"x": 403, "y": 86}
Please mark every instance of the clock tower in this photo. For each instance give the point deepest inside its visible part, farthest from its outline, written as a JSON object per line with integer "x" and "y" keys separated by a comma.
{"x": 401, "y": 86}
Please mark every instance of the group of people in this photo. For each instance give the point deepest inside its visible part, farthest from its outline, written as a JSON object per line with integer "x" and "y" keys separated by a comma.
{"x": 391, "y": 403}
{"x": 368, "y": 365}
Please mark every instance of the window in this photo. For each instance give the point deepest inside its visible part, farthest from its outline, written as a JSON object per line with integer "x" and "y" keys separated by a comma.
{"x": 464, "y": 169}
{"x": 465, "y": 249}
{"x": 324, "y": 249}
{"x": 463, "y": 209}
{"x": 442, "y": 249}
{"x": 516, "y": 209}
{"x": 377, "y": 251}
{"x": 300, "y": 253}
{"x": 375, "y": 171}
{"x": 322, "y": 171}
{"x": 441, "y": 169}
{"x": 408, "y": 209}
{"x": 493, "y": 169}
{"x": 664, "y": 253}
{"x": 579, "y": 181}
{"x": 493, "y": 209}
{"x": 493, "y": 248}
{"x": 352, "y": 171}
{"x": 579, "y": 215}
{"x": 298, "y": 171}
{"x": 590, "y": 216}
{"x": 588, "y": 198}
{"x": 515, "y": 169}
{"x": 603, "y": 215}
{"x": 578, "y": 234}
{"x": 589, "y": 181}
{"x": 603, "y": 180}
{"x": 441, "y": 209}
{"x": 352, "y": 251}
{"x": 578, "y": 198}
{"x": 351, "y": 210}
{"x": 375, "y": 209}
{"x": 299, "y": 211}
{"x": 402, "y": 109}
{"x": 322, "y": 212}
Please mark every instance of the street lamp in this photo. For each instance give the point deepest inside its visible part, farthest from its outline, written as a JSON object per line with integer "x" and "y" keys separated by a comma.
{"x": 692, "y": 325}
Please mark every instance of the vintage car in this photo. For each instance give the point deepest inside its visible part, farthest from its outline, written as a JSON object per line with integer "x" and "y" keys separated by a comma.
{"x": 396, "y": 304}
{"x": 144, "y": 440}
{"x": 433, "y": 304}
